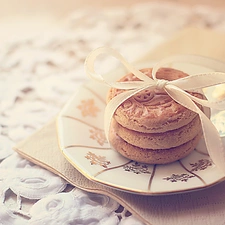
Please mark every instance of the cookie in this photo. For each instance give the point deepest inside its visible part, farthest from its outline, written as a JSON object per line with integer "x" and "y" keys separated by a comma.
{"x": 163, "y": 140}
{"x": 151, "y": 156}
{"x": 150, "y": 127}
{"x": 152, "y": 111}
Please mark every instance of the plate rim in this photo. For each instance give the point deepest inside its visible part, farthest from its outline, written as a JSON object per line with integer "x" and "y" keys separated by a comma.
{"x": 114, "y": 186}
{"x": 144, "y": 193}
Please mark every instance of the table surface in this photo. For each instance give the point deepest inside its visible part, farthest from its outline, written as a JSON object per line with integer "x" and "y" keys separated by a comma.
{"x": 41, "y": 46}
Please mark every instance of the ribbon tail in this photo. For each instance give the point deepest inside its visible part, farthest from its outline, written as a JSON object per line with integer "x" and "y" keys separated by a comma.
{"x": 199, "y": 81}
{"x": 111, "y": 108}
{"x": 218, "y": 105}
{"x": 213, "y": 141}
{"x": 191, "y": 59}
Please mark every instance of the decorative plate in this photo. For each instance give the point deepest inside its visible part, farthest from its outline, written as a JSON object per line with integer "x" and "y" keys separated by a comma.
{"x": 83, "y": 143}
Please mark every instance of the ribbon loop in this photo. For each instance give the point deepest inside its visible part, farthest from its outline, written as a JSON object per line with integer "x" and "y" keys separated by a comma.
{"x": 176, "y": 89}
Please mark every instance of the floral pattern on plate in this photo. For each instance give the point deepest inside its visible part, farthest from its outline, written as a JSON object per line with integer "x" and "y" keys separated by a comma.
{"x": 83, "y": 143}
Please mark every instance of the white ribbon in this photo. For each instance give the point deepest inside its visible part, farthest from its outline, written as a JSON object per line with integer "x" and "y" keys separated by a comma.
{"x": 176, "y": 89}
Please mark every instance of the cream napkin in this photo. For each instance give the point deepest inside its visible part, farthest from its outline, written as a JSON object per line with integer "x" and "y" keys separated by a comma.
{"x": 200, "y": 207}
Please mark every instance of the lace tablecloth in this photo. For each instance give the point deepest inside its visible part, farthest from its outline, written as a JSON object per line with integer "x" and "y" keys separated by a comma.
{"x": 39, "y": 74}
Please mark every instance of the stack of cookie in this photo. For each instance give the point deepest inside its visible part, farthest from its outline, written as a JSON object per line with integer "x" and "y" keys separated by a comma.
{"x": 151, "y": 127}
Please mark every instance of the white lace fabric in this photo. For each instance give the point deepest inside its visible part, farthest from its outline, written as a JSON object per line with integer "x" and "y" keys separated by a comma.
{"x": 39, "y": 74}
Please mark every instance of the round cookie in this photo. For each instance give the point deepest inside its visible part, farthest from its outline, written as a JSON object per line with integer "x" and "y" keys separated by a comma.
{"x": 152, "y": 111}
{"x": 164, "y": 140}
{"x": 150, "y": 156}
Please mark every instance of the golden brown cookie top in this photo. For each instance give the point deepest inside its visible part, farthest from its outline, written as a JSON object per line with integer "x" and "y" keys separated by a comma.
{"x": 152, "y": 110}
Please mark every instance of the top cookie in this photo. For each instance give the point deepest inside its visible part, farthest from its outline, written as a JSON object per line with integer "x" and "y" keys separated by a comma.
{"x": 152, "y": 111}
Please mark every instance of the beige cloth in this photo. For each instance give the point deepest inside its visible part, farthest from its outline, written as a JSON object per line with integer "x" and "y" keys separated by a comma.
{"x": 200, "y": 207}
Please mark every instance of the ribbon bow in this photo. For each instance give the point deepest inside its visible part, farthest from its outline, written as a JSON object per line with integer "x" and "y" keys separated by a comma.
{"x": 176, "y": 89}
